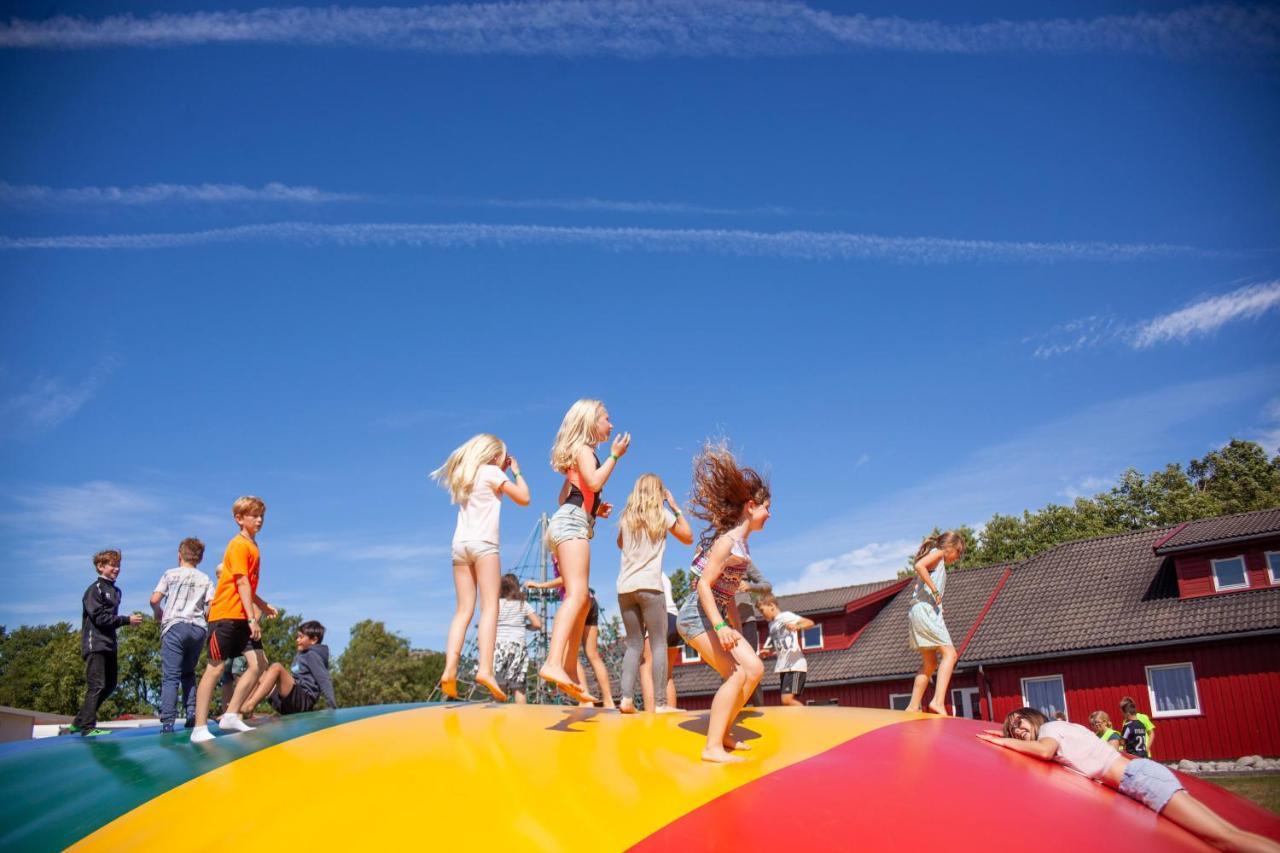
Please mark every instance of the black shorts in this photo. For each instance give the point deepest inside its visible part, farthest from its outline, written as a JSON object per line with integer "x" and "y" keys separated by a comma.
{"x": 593, "y": 613}
{"x": 228, "y": 639}
{"x": 793, "y": 683}
{"x": 673, "y": 636}
{"x": 298, "y": 701}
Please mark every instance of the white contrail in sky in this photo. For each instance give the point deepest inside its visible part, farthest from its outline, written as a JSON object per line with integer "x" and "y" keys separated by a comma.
{"x": 639, "y": 29}
{"x": 808, "y": 245}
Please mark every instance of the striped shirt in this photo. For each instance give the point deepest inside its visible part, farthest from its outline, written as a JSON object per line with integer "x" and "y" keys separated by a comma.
{"x": 187, "y": 593}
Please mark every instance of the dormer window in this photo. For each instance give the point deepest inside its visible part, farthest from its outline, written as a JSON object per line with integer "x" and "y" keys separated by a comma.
{"x": 1273, "y": 566}
{"x": 1229, "y": 574}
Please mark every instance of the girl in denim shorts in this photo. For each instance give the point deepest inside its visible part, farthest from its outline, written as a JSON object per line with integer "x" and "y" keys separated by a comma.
{"x": 734, "y": 501}
{"x": 1028, "y": 731}
{"x": 584, "y": 427}
{"x": 475, "y": 475}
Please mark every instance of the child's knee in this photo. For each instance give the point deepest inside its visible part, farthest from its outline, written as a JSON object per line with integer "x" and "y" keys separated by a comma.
{"x": 753, "y": 670}
{"x": 949, "y": 654}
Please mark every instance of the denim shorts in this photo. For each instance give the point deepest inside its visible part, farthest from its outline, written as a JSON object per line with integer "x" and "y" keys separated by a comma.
{"x": 691, "y": 621}
{"x": 467, "y": 552}
{"x": 1150, "y": 783}
{"x": 569, "y": 522}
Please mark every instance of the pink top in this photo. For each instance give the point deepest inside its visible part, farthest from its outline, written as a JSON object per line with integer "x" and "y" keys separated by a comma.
{"x": 1080, "y": 749}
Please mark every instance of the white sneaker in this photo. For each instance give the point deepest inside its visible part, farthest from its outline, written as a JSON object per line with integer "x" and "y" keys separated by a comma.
{"x": 200, "y": 734}
{"x": 233, "y": 723}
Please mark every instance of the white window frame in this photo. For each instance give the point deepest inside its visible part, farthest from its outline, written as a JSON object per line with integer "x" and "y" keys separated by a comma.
{"x": 1272, "y": 573}
{"x": 1026, "y": 703}
{"x": 893, "y": 696}
{"x": 975, "y": 701}
{"x": 685, "y": 649}
{"x": 1195, "y": 691}
{"x": 1213, "y": 569}
{"x": 804, "y": 644}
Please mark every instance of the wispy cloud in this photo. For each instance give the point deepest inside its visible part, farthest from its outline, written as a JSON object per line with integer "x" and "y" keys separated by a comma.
{"x": 1198, "y": 319}
{"x": 1208, "y": 315}
{"x": 167, "y": 193}
{"x": 94, "y": 507}
{"x": 673, "y": 208}
{"x": 1086, "y": 487}
{"x": 47, "y": 401}
{"x": 804, "y": 245}
{"x": 1269, "y": 435}
{"x": 658, "y": 28}
{"x": 871, "y": 562}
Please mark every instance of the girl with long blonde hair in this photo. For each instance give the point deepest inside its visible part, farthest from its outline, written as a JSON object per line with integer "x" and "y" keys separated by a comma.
{"x": 475, "y": 477}
{"x": 735, "y": 502}
{"x": 927, "y": 632}
{"x": 584, "y": 427}
{"x": 650, "y": 513}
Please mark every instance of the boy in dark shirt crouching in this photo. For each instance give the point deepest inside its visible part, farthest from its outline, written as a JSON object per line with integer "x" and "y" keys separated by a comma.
{"x": 295, "y": 690}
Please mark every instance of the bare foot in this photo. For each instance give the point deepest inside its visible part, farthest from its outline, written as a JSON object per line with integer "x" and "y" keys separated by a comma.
{"x": 731, "y": 745}
{"x": 487, "y": 681}
{"x": 627, "y": 706}
{"x": 912, "y": 710}
{"x": 449, "y": 687}
{"x": 557, "y": 676}
{"x": 609, "y": 706}
{"x": 667, "y": 709}
{"x": 719, "y": 756}
{"x": 937, "y": 709}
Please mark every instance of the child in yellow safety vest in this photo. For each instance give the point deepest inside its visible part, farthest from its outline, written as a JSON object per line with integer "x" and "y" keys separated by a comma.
{"x": 1101, "y": 723}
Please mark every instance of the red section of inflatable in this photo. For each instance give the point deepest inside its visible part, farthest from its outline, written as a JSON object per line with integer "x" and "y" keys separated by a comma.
{"x": 932, "y": 783}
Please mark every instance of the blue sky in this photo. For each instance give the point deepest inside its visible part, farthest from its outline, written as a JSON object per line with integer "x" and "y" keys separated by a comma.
{"x": 922, "y": 268}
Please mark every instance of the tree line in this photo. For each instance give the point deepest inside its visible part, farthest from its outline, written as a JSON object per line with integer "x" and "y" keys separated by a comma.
{"x": 1239, "y": 477}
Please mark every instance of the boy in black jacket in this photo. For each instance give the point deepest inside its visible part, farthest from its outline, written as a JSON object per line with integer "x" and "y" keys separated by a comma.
{"x": 295, "y": 690}
{"x": 100, "y": 617}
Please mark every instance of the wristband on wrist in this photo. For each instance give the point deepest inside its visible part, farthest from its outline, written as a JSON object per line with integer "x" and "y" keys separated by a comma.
{"x": 722, "y": 624}
{"x": 676, "y": 511}
{"x": 614, "y": 457}
{"x": 515, "y": 474}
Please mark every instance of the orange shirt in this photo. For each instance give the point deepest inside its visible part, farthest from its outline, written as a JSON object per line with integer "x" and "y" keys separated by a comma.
{"x": 240, "y": 560}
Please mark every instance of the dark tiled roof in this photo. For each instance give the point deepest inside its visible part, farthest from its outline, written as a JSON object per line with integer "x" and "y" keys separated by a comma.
{"x": 1109, "y": 591}
{"x": 882, "y": 650}
{"x": 827, "y": 600}
{"x": 882, "y": 647}
{"x": 1229, "y": 527}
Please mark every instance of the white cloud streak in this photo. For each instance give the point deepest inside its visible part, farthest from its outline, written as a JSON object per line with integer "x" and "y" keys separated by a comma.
{"x": 640, "y": 29}
{"x": 803, "y": 245}
{"x": 1208, "y": 315}
{"x": 675, "y": 208}
{"x": 167, "y": 193}
{"x": 49, "y": 400}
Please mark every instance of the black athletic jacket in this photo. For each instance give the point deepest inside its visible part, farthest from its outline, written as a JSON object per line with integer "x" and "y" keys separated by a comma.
{"x": 100, "y": 617}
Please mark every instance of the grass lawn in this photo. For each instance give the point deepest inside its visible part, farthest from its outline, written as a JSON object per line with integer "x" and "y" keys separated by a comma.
{"x": 1263, "y": 788}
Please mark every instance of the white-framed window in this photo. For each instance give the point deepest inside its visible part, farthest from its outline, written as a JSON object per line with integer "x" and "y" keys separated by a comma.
{"x": 1273, "y": 566}
{"x": 688, "y": 654}
{"x": 964, "y": 703}
{"x": 1229, "y": 574}
{"x": 1173, "y": 691}
{"x": 1046, "y": 694}
{"x": 899, "y": 701}
{"x": 811, "y": 638}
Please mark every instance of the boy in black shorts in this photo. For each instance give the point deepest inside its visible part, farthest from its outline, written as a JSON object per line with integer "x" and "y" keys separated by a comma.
{"x": 295, "y": 690}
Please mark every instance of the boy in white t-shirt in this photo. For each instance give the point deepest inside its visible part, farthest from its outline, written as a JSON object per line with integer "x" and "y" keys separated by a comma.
{"x": 784, "y": 641}
{"x": 185, "y": 592}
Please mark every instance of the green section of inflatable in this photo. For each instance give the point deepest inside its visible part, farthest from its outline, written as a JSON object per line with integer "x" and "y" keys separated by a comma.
{"x": 52, "y": 794}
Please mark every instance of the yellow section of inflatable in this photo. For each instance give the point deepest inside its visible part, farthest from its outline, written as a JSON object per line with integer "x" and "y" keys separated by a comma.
{"x": 476, "y": 776}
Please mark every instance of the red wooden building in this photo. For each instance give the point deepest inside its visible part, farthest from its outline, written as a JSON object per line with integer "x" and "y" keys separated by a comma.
{"x": 1185, "y": 619}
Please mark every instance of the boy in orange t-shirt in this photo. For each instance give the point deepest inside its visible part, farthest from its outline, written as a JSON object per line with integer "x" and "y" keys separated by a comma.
{"x": 234, "y": 628}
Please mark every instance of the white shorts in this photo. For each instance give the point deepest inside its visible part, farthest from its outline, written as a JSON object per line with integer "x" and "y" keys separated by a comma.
{"x": 467, "y": 552}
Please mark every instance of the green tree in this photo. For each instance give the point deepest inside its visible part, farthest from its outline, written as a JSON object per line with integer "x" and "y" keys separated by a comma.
{"x": 1238, "y": 478}
{"x": 681, "y": 583}
{"x": 378, "y": 668}
{"x": 41, "y": 668}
